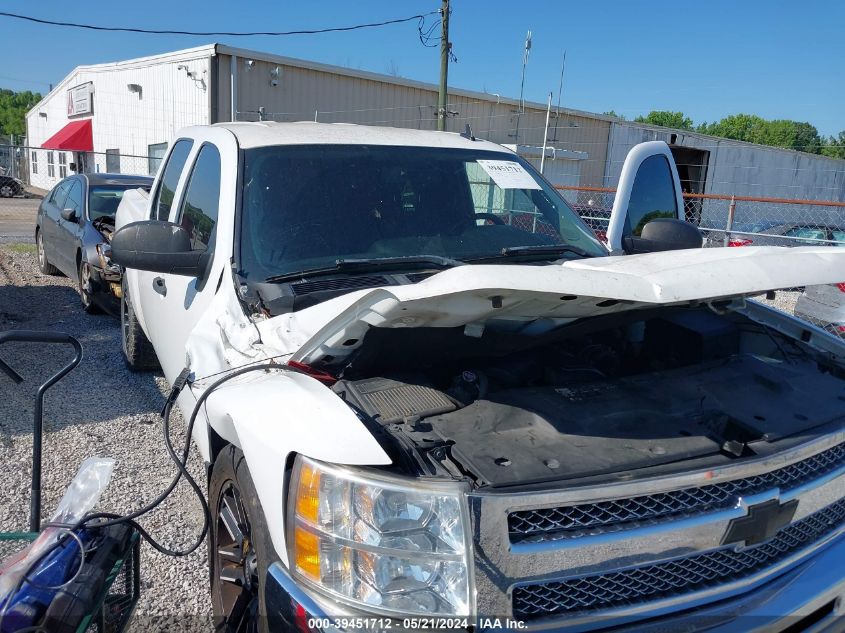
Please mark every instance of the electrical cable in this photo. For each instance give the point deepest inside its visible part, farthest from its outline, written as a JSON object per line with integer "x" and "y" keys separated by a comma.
{"x": 94, "y": 520}
{"x": 420, "y": 17}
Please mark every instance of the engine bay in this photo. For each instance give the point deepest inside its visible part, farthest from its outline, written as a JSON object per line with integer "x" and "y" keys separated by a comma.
{"x": 605, "y": 395}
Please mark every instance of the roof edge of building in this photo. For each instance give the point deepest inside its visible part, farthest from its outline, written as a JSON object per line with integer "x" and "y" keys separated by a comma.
{"x": 194, "y": 52}
{"x": 225, "y": 49}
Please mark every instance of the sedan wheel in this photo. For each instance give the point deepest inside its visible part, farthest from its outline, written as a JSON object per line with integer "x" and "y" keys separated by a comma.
{"x": 7, "y": 191}
{"x": 43, "y": 263}
{"x": 85, "y": 293}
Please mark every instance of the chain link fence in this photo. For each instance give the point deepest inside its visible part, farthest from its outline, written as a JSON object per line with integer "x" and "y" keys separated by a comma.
{"x": 733, "y": 220}
{"x": 736, "y": 221}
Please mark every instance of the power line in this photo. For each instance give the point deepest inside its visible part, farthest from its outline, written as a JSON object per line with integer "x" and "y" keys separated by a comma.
{"x": 419, "y": 17}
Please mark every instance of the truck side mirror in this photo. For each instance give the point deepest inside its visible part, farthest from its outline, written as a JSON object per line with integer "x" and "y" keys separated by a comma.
{"x": 160, "y": 247}
{"x": 663, "y": 234}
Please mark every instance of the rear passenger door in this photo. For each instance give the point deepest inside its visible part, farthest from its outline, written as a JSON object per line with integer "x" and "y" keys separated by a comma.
{"x": 649, "y": 188}
{"x": 204, "y": 206}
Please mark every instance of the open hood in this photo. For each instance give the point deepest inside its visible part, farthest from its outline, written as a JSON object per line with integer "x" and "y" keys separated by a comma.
{"x": 541, "y": 297}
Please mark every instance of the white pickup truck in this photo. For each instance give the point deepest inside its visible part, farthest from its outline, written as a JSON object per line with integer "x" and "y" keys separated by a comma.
{"x": 480, "y": 417}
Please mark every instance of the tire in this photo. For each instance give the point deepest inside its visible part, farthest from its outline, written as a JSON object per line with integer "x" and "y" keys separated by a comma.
{"x": 8, "y": 190}
{"x": 43, "y": 263}
{"x": 138, "y": 352}
{"x": 237, "y": 577}
{"x": 83, "y": 287}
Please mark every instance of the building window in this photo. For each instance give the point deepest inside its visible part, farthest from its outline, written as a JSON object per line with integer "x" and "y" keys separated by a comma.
{"x": 113, "y": 161}
{"x": 34, "y": 162}
{"x": 62, "y": 165}
{"x": 155, "y": 153}
{"x": 51, "y": 164}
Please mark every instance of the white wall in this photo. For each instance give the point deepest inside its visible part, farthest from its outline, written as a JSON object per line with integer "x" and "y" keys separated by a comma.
{"x": 121, "y": 120}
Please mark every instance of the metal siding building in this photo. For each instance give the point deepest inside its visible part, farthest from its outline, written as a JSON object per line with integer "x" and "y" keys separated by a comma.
{"x": 719, "y": 166}
{"x": 139, "y": 105}
{"x": 129, "y": 122}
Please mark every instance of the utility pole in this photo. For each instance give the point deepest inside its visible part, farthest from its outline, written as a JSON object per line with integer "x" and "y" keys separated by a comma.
{"x": 525, "y": 53}
{"x": 444, "y": 66}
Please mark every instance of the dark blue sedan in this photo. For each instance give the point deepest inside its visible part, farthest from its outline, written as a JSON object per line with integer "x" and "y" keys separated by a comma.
{"x": 73, "y": 230}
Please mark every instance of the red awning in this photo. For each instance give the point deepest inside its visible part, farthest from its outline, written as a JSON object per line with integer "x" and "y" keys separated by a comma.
{"x": 76, "y": 136}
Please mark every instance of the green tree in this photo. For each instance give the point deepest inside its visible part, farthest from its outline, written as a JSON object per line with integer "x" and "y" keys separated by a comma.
{"x": 665, "y": 118}
{"x": 13, "y": 108}
{"x": 834, "y": 146}
{"x": 777, "y": 133}
{"x": 613, "y": 114}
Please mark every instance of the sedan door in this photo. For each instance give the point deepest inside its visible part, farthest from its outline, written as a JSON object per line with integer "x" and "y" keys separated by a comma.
{"x": 69, "y": 231}
{"x": 49, "y": 221}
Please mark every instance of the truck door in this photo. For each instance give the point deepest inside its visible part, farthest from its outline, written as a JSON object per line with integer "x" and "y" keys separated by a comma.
{"x": 649, "y": 188}
{"x": 204, "y": 205}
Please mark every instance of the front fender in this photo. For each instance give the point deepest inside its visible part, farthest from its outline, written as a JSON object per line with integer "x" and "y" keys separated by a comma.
{"x": 273, "y": 415}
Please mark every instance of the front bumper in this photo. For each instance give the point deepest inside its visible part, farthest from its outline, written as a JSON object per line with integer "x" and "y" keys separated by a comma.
{"x": 808, "y": 597}
{"x": 105, "y": 287}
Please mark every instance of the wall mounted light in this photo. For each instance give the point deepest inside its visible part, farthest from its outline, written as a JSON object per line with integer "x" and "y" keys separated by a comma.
{"x": 195, "y": 76}
{"x": 42, "y": 114}
{"x": 136, "y": 89}
{"x": 274, "y": 76}
{"x": 249, "y": 64}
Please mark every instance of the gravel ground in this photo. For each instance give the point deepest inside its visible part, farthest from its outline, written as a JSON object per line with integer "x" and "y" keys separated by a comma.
{"x": 98, "y": 409}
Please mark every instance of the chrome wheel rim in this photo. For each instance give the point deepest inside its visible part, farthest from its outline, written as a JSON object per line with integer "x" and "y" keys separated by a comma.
{"x": 42, "y": 260}
{"x": 85, "y": 284}
{"x": 236, "y": 564}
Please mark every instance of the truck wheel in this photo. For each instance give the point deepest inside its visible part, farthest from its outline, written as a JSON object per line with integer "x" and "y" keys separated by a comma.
{"x": 138, "y": 352}
{"x": 43, "y": 264}
{"x": 238, "y": 546}
{"x": 84, "y": 288}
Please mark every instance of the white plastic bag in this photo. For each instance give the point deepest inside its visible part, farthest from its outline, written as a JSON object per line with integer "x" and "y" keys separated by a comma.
{"x": 79, "y": 499}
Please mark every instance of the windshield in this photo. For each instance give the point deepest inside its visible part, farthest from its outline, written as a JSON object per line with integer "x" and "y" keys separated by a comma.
{"x": 306, "y": 207}
{"x": 104, "y": 199}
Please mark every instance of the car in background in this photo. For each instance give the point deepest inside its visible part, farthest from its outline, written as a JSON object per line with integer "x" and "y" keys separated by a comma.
{"x": 10, "y": 187}
{"x": 773, "y": 233}
{"x": 823, "y": 306}
{"x": 73, "y": 231}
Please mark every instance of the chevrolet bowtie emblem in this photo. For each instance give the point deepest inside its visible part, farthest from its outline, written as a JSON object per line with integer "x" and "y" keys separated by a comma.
{"x": 761, "y": 523}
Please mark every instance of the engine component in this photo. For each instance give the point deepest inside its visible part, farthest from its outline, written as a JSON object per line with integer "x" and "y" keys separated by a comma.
{"x": 390, "y": 401}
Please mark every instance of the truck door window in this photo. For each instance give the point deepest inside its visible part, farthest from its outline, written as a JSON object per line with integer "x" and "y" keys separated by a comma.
{"x": 198, "y": 213}
{"x": 652, "y": 196}
{"x": 167, "y": 186}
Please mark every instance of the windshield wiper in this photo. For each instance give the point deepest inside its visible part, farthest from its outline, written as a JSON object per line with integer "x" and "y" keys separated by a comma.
{"x": 545, "y": 249}
{"x": 542, "y": 251}
{"x": 369, "y": 264}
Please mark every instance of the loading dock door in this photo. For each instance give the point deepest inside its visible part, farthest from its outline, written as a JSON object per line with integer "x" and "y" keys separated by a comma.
{"x": 692, "y": 172}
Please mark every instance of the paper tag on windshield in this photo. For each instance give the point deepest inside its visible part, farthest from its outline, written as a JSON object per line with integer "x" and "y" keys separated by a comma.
{"x": 508, "y": 174}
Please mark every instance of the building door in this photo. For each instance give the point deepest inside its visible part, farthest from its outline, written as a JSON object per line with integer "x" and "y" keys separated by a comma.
{"x": 692, "y": 172}
{"x": 113, "y": 161}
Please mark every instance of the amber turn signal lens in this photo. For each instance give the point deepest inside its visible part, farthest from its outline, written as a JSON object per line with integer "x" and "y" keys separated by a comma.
{"x": 308, "y": 493}
{"x": 307, "y": 553}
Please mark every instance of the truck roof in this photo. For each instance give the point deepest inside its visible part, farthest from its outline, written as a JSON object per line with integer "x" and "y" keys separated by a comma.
{"x": 265, "y": 133}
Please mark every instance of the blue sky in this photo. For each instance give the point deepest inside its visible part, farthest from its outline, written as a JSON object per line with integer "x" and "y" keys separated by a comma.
{"x": 708, "y": 59}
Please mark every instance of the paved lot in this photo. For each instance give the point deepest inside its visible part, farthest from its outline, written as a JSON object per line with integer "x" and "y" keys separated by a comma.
{"x": 17, "y": 219}
{"x": 99, "y": 409}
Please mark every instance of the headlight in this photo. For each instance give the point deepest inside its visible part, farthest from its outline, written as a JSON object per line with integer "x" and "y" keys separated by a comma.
{"x": 378, "y": 543}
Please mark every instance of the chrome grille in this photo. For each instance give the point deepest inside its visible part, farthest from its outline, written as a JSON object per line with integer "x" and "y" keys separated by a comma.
{"x": 680, "y": 576}
{"x": 572, "y": 521}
